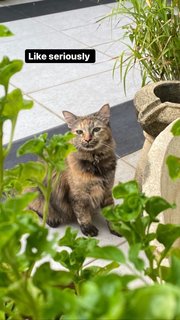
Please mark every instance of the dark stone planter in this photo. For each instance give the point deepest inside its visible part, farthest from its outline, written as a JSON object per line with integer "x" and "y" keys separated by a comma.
{"x": 157, "y": 105}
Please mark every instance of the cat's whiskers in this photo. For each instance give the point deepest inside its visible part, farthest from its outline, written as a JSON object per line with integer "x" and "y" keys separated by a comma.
{"x": 111, "y": 148}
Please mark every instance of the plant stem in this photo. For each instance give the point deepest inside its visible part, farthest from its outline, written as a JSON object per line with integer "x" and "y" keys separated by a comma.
{"x": 47, "y": 195}
{"x": 11, "y": 138}
{"x": 1, "y": 159}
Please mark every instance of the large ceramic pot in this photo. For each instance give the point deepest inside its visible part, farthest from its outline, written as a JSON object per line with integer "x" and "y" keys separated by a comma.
{"x": 156, "y": 179}
{"x": 157, "y": 105}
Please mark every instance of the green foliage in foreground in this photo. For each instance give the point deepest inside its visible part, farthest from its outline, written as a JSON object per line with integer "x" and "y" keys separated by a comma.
{"x": 29, "y": 286}
{"x": 31, "y": 289}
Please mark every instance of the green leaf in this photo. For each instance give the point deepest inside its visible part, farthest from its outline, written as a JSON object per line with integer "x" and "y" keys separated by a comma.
{"x": 57, "y": 302}
{"x": 109, "y": 213}
{"x": 80, "y": 250}
{"x": 27, "y": 301}
{"x": 155, "y": 205}
{"x": 24, "y": 175}
{"x": 153, "y": 302}
{"x": 4, "y": 31}
{"x": 34, "y": 146}
{"x": 176, "y": 128}
{"x": 58, "y": 148}
{"x": 108, "y": 253}
{"x": 14, "y": 103}
{"x": 7, "y": 230}
{"x": 8, "y": 69}
{"x": 38, "y": 245}
{"x": 53, "y": 278}
{"x": 167, "y": 234}
{"x": 90, "y": 272}
{"x": 18, "y": 203}
{"x": 69, "y": 239}
{"x": 131, "y": 208}
{"x": 122, "y": 190}
{"x": 134, "y": 251}
{"x": 174, "y": 276}
{"x": 98, "y": 299}
{"x": 173, "y": 166}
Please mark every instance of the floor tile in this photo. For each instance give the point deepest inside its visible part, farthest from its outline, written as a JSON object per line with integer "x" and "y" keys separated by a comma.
{"x": 94, "y": 34}
{"x": 84, "y": 95}
{"x": 124, "y": 172}
{"x": 74, "y": 18}
{"x": 30, "y": 122}
{"x": 112, "y": 49}
{"x": 25, "y": 28}
{"x": 132, "y": 158}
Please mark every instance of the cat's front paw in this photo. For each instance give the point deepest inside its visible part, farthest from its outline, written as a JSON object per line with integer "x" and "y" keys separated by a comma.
{"x": 89, "y": 230}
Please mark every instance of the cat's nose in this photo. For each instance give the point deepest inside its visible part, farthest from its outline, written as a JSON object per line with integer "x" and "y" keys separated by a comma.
{"x": 88, "y": 137}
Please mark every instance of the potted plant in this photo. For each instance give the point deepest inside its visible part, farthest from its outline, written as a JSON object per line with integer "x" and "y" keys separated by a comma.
{"x": 153, "y": 34}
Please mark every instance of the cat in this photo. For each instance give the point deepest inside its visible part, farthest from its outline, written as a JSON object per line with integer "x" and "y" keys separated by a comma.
{"x": 84, "y": 187}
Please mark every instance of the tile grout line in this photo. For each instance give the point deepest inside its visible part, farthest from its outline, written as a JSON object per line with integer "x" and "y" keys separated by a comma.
{"x": 125, "y": 161}
{"x": 66, "y": 82}
{"x": 40, "y": 103}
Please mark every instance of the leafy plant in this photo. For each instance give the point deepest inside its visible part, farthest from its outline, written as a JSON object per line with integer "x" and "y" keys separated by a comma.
{"x": 128, "y": 220}
{"x": 29, "y": 286}
{"x": 153, "y": 32}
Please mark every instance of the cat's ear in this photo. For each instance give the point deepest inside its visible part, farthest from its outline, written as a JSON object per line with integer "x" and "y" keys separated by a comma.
{"x": 104, "y": 113}
{"x": 69, "y": 118}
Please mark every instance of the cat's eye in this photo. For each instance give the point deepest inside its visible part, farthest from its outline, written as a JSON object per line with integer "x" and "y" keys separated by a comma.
{"x": 79, "y": 132}
{"x": 97, "y": 129}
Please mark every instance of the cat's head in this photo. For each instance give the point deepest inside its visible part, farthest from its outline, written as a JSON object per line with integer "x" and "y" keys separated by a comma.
{"x": 91, "y": 131}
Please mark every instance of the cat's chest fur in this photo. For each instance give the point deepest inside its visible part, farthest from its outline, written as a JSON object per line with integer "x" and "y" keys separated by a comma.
{"x": 95, "y": 167}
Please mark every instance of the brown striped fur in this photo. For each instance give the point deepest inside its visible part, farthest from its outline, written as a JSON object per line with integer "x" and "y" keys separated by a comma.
{"x": 84, "y": 187}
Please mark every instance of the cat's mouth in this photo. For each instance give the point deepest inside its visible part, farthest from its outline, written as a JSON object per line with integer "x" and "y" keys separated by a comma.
{"x": 89, "y": 145}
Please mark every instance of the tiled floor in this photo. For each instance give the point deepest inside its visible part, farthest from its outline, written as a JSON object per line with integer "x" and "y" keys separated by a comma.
{"x": 75, "y": 87}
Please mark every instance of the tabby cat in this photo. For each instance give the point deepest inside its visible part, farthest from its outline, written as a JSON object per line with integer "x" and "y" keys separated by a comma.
{"x": 85, "y": 185}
